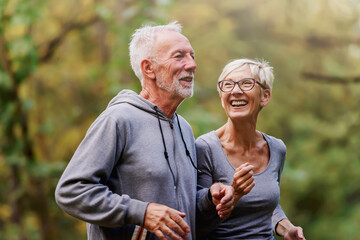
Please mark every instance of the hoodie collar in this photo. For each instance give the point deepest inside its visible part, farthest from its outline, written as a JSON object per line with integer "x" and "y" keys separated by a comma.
{"x": 134, "y": 99}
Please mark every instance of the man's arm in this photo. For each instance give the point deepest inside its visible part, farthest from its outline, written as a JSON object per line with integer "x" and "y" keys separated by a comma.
{"x": 82, "y": 191}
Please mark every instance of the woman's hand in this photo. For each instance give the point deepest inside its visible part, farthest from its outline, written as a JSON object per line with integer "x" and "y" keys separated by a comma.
{"x": 295, "y": 233}
{"x": 289, "y": 231}
{"x": 243, "y": 181}
{"x": 223, "y": 198}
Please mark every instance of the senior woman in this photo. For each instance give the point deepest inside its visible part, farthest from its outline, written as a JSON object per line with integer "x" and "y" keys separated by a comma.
{"x": 250, "y": 160}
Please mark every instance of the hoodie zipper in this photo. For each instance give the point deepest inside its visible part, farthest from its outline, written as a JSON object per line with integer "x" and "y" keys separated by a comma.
{"x": 171, "y": 123}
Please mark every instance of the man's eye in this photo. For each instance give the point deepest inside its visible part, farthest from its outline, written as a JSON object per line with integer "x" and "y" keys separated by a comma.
{"x": 178, "y": 56}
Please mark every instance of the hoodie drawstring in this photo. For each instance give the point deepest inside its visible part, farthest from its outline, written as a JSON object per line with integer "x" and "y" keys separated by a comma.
{"x": 186, "y": 149}
{"x": 165, "y": 151}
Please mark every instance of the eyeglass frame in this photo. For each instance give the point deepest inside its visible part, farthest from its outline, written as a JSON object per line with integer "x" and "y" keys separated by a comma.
{"x": 237, "y": 83}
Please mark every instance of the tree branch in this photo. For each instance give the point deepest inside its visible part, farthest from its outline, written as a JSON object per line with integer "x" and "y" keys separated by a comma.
{"x": 314, "y": 41}
{"x": 4, "y": 59}
{"x": 55, "y": 43}
{"x": 331, "y": 79}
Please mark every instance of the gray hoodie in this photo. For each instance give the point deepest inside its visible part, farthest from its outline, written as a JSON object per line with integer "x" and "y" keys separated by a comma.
{"x": 120, "y": 167}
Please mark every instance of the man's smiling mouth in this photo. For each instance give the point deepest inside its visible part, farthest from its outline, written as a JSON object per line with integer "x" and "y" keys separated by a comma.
{"x": 186, "y": 79}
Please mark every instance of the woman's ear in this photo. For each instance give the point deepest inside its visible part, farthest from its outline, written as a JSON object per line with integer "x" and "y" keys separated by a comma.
{"x": 147, "y": 69}
{"x": 265, "y": 97}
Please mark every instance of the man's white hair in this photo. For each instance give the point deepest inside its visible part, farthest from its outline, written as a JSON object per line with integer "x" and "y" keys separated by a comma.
{"x": 259, "y": 69}
{"x": 142, "y": 43}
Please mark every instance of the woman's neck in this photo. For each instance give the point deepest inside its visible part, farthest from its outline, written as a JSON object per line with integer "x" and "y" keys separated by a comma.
{"x": 239, "y": 133}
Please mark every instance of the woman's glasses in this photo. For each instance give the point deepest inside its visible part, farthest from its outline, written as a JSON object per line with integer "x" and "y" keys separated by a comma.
{"x": 245, "y": 84}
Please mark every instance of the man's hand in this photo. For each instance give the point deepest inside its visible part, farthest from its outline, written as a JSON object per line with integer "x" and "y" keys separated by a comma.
{"x": 162, "y": 220}
{"x": 295, "y": 233}
{"x": 243, "y": 181}
{"x": 223, "y": 198}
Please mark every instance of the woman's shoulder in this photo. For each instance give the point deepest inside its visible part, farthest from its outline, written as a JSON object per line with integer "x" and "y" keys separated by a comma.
{"x": 276, "y": 142}
{"x": 208, "y": 142}
{"x": 208, "y": 138}
{"x": 208, "y": 148}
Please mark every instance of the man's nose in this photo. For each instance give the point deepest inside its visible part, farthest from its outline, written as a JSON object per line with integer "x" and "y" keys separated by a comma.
{"x": 190, "y": 64}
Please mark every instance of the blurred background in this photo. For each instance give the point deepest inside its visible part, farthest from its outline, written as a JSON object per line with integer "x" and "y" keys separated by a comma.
{"x": 62, "y": 61}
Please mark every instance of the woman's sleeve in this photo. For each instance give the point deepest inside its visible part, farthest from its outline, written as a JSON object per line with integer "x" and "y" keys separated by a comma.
{"x": 207, "y": 218}
{"x": 279, "y": 213}
{"x": 277, "y": 216}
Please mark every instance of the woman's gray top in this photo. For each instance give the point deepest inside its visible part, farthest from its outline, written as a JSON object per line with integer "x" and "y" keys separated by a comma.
{"x": 257, "y": 213}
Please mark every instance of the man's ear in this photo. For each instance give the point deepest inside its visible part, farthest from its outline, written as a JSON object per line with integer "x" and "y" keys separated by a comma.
{"x": 147, "y": 68}
{"x": 265, "y": 97}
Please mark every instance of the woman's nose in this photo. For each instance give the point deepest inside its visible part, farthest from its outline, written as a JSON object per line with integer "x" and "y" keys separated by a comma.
{"x": 237, "y": 89}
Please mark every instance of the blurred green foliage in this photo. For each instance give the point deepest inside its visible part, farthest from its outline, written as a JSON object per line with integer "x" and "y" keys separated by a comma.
{"x": 61, "y": 62}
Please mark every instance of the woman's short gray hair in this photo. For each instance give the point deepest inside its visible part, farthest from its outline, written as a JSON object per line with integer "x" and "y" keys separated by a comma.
{"x": 259, "y": 69}
{"x": 142, "y": 42}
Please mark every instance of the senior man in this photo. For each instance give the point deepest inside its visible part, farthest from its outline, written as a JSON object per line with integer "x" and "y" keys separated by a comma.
{"x": 134, "y": 174}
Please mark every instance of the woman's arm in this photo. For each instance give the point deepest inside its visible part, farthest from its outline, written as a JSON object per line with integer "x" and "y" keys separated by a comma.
{"x": 290, "y": 232}
{"x": 283, "y": 227}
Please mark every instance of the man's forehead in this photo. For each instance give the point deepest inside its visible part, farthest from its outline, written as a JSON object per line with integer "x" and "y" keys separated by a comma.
{"x": 172, "y": 41}
{"x": 168, "y": 34}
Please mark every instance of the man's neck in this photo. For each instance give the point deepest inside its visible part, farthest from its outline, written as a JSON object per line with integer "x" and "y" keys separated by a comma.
{"x": 165, "y": 102}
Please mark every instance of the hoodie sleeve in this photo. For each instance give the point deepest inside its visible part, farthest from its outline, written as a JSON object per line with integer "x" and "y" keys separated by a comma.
{"x": 82, "y": 191}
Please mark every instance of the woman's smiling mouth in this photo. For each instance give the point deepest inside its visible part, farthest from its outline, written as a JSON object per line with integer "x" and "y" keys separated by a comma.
{"x": 238, "y": 103}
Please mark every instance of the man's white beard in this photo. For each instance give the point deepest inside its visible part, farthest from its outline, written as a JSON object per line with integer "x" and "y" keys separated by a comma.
{"x": 175, "y": 88}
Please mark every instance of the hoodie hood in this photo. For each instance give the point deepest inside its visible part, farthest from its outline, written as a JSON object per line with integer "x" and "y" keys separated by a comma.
{"x": 132, "y": 98}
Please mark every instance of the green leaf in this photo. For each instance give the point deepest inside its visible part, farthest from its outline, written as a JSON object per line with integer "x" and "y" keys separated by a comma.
{"x": 5, "y": 81}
